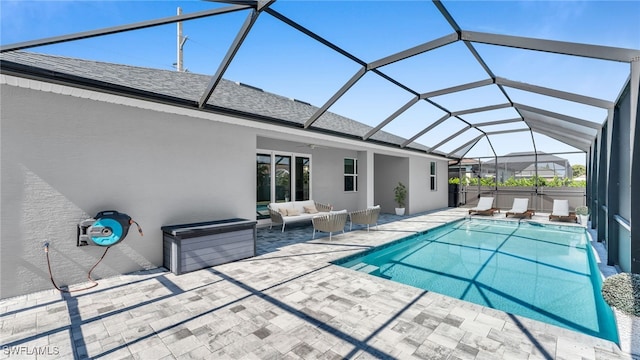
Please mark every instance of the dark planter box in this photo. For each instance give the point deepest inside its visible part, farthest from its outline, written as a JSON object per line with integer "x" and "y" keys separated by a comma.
{"x": 190, "y": 247}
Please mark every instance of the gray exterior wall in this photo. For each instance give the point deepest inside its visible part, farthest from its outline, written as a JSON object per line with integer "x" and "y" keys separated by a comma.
{"x": 327, "y": 171}
{"x": 68, "y": 153}
{"x": 421, "y": 197}
{"x": 413, "y": 172}
{"x": 65, "y": 158}
{"x": 389, "y": 170}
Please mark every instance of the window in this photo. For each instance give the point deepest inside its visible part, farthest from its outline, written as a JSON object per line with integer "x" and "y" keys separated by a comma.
{"x": 432, "y": 176}
{"x": 350, "y": 175}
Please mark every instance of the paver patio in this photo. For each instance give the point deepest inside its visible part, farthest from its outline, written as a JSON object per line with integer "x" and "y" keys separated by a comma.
{"x": 289, "y": 302}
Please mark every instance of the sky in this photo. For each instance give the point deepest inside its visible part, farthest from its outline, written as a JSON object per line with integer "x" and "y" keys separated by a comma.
{"x": 282, "y": 60}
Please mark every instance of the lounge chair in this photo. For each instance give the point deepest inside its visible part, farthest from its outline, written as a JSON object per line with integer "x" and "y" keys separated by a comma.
{"x": 365, "y": 217}
{"x": 334, "y": 221}
{"x": 561, "y": 211}
{"x": 484, "y": 207}
{"x": 519, "y": 208}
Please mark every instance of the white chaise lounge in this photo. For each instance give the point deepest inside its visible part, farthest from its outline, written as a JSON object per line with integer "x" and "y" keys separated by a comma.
{"x": 561, "y": 211}
{"x": 484, "y": 207}
{"x": 293, "y": 211}
{"x": 520, "y": 208}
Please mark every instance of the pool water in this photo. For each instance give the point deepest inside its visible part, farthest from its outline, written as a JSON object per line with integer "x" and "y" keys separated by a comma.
{"x": 543, "y": 272}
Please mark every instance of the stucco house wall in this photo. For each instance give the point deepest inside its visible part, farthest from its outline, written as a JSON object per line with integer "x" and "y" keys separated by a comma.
{"x": 389, "y": 170}
{"x": 68, "y": 153}
{"x": 421, "y": 196}
{"x": 65, "y": 158}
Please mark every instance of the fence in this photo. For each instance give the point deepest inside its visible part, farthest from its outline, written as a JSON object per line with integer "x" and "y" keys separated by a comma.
{"x": 541, "y": 200}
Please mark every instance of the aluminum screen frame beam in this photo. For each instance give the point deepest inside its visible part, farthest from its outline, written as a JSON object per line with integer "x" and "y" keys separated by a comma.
{"x": 469, "y": 143}
{"x": 428, "y": 46}
{"x": 122, "y": 28}
{"x": 426, "y": 130}
{"x": 557, "y": 127}
{"x": 553, "y": 46}
{"x": 497, "y": 122}
{"x": 558, "y": 116}
{"x": 571, "y": 140}
{"x": 457, "y": 88}
{"x": 481, "y": 109}
{"x": 226, "y": 61}
{"x": 565, "y": 118}
{"x": 501, "y": 132}
{"x": 556, "y": 93}
{"x": 359, "y": 74}
{"x": 453, "y": 136}
{"x": 397, "y": 113}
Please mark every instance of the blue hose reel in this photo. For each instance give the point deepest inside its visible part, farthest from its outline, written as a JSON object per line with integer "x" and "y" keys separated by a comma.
{"x": 106, "y": 229}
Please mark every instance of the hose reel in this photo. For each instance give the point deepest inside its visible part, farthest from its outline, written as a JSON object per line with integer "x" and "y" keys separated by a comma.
{"x": 106, "y": 229}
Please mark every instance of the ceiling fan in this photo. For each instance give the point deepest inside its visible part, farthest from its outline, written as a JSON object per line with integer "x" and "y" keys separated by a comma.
{"x": 313, "y": 146}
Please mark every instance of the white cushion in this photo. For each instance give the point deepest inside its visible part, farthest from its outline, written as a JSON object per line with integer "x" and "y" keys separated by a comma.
{"x": 561, "y": 207}
{"x": 520, "y": 205}
{"x": 310, "y": 209}
{"x": 485, "y": 203}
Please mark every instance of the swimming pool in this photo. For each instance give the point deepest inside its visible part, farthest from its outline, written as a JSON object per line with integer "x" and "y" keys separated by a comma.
{"x": 543, "y": 272}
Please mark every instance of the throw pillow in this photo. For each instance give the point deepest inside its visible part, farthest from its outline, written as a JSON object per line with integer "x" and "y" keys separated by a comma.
{"x": 282, "y": 211}
{"x": 293, "y": 212}
{"x": 310, "y": 209}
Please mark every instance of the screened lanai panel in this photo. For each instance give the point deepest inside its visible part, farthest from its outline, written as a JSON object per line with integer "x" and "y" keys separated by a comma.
{"x": 414, "y": 119}
{"x": 584, "y": 76}
{"x": 444, "y": 67}
{"x": 449, "y": 145}
{"x": 384, "y": 29}
{"x": 441, "y": 132}
{"x": 370, "y": 100}
{"x": 461, "y": 151}
{"x": 289, "y": 71}
{"x": 153, "y": 47}
{"x": 483, "y": 148}
{"x": 587, "y": 130}
{"x": 603, "y": 23}
{"x": 508, "y": 143}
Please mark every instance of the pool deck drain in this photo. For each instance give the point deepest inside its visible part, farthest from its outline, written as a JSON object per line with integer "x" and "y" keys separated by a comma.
{"x": 286, "y": 303}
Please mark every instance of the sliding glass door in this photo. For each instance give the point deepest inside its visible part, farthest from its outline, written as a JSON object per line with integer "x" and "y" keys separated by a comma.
{"x": 303, "y": 189}
{"x": 281, "y": 178}
{"x": 263, "y": 181}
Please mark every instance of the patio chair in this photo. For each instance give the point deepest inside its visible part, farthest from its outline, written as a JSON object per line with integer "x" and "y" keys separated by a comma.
{"x": 561, "y": 211}
{"x": 330, "y": 223}
{"x": 484, "y": 207}
{"x": 519, "y": 208}
{"x": 365, "y": 217}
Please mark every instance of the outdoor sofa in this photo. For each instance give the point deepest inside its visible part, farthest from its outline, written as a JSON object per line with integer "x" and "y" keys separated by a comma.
{"x": 294, "y": 211}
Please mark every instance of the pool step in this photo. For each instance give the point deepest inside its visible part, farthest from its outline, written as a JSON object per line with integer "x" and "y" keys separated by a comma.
{"x": 362, "y": 267}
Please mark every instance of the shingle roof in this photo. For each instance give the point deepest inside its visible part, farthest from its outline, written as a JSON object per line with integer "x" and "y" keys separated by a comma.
{"x": 190, "y": 86}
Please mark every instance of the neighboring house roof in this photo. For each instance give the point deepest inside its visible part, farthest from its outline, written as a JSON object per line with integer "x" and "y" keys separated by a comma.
{"x": 522, "y": 160}
{"x": 189, "y": 86}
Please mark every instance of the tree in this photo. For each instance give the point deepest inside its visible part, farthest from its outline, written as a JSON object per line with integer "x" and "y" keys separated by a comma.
{"x": 578, "y": 170}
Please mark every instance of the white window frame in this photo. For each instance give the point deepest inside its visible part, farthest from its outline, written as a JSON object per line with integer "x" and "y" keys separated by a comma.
{"x": 292, "y": 178}
{"x": 433, "y": 176}
{"x": 354, "y": 175}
